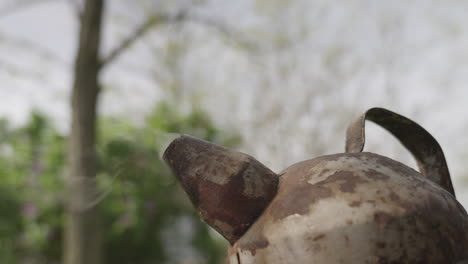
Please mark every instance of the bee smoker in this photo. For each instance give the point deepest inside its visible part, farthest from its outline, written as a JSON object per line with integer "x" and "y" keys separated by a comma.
{"x": 354, "y": 207}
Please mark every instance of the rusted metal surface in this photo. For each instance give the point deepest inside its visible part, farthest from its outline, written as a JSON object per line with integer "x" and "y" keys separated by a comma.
{"x": 353, "y": 207}
{"x": 356, "y": 208}
{"x": 417, "y": 140}
{"x": 229, "y": 189}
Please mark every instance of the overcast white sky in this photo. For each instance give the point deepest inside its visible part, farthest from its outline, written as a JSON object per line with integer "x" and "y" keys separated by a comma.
{"x": 409, "y": 56}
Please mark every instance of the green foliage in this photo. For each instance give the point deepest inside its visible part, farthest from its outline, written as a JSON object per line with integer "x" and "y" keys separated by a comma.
{"x": 146, "y": 216}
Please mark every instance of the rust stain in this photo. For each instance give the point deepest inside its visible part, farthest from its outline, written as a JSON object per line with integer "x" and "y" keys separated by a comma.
{"x": 318, "y": 237}
{"x": 254, "y": 245}
{"x": 224, "y": 204}
{"x": 394, "y": 197}
{"x": 348, "y": 181}
{"x": 355, "y": 203}
{"x": 254, "y": 239}
{"x": 298, "y": 201}
{"x": 376, "y": 175}
{"x": 296, "y": 196}
{"x": 406, "y": 204}
{"x": 382, "y": 218}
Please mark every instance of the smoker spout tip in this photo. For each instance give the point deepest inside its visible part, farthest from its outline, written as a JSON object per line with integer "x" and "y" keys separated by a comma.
{"x": 164, "y": 140}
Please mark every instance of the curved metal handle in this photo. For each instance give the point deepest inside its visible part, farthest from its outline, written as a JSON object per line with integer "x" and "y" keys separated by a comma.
{"x": 416, "y": 139}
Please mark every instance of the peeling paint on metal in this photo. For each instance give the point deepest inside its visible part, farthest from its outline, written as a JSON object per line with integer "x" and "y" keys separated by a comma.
{"x": 387, "y": 219}
{"x": 230, "y": 189}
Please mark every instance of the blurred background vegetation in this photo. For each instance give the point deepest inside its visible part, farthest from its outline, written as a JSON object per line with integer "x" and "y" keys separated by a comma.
{"x": 147, "y": 217}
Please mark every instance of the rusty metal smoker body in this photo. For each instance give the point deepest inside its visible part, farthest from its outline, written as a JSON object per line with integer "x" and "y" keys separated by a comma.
{"x": 353, "y": 207}
{"x": 356, "y": 208}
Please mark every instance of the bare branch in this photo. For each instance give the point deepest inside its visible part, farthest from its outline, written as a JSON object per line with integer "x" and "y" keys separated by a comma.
{"x": 182, "y": 16}
{"x": 224, "y": 30}
{"x": 139, "y": 32}
{"x": 20, "y": 5}
{"x": 30, "y": 46}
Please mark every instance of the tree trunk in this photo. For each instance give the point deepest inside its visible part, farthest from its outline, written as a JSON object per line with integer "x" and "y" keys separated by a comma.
{"x": 83, "y": 237}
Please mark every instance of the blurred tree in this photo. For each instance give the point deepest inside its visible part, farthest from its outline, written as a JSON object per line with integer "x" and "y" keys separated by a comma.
{"x": 83, "y": 240}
